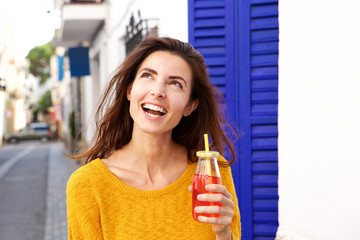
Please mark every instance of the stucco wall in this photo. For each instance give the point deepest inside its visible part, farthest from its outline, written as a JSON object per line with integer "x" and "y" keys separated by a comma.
{"x": 319, "y": 120}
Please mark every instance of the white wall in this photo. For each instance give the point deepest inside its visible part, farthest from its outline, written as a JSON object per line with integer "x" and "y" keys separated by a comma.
{"x": 319, "y": 120}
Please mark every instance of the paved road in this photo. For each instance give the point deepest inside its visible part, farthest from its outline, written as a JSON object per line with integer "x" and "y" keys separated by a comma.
{"x": 33, "y": 179}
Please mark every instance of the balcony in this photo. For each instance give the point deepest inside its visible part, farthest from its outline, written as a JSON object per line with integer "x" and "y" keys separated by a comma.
{"x": 80, "y": 21}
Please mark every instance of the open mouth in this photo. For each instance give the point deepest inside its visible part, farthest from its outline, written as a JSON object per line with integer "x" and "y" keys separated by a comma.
{"x": 153, "y": 110}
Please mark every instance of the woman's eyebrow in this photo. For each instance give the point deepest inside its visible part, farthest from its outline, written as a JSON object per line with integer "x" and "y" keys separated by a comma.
{"x": 146, "y": 69}
{"x": 149, "y": 70}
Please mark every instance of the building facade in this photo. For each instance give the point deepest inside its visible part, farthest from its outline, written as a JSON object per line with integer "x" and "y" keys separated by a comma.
{"x": 14, "y": 92}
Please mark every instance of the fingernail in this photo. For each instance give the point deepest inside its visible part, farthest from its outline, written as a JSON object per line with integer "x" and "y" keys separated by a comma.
{"x": 201, "y": 218}
{"x": 197, "y": 209}
{"x": 200, "y": 197}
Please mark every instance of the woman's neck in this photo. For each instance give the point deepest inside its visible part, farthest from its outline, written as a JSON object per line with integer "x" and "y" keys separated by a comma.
{"x": 155, "y": 151}
{"x": 149, "y": 162}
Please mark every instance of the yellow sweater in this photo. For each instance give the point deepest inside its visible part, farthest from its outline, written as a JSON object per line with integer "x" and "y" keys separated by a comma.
{"x": 100, "y": 206}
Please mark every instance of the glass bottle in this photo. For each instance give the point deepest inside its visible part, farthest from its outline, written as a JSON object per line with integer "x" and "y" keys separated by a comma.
{"x": 207, "y": 172}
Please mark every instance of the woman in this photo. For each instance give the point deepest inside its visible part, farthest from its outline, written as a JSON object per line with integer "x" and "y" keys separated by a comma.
{"x": 150, "y": 123}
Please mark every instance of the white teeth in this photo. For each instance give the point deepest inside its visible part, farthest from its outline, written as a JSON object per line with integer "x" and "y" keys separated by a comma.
{"x": 154, "y": 108}
{"x": 151, "y": 115}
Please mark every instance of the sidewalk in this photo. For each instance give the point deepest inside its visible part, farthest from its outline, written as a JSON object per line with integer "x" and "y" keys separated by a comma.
{"x": 59, "y": 170}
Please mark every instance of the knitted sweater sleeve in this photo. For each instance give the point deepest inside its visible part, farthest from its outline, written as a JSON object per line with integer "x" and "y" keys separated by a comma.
{"x": 83, "y": 212}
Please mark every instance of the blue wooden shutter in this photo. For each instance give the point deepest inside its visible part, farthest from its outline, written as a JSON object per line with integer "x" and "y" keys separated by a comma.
{"x": 239, "y": 40}
{"x": 264, "y": 32}
{"x": 210, "y": 33}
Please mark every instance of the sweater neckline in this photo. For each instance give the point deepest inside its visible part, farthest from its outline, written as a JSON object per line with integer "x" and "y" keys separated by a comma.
{"x": 185, "y": 178}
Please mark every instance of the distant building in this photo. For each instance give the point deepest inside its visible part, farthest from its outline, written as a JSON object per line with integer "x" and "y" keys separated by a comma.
{"x": 13, "y": 109}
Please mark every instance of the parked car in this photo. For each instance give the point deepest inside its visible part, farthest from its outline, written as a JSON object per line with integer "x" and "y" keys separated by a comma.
{"x": 40, "y": 131}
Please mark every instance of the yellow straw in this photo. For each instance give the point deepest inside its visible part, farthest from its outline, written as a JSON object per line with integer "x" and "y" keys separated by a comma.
{"x": 208, "y": 164}
{"x": 206, "y": 140}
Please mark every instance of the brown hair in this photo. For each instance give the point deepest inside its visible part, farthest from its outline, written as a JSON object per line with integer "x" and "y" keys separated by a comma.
{"x": 113, "y": 121}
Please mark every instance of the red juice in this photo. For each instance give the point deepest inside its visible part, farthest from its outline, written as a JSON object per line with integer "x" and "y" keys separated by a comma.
{"x": 199, "y": 183}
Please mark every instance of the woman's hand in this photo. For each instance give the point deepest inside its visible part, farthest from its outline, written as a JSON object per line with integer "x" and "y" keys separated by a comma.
{"x": 220, "y": 225}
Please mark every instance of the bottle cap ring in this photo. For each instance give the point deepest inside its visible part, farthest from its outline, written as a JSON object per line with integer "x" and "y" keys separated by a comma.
{"x": 207, "y": 154}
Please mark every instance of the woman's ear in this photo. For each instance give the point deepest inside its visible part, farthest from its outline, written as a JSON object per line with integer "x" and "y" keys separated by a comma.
{"x": 191, "y": 107}
{"x": 128, "y": 92}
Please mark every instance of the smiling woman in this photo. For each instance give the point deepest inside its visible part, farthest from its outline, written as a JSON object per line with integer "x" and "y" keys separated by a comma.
{"x": 160, "y": 90}
{"x": 150, "y": 123}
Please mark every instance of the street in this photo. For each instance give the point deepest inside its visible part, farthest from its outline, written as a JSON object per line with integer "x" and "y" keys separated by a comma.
{"x": 33, "y": 177}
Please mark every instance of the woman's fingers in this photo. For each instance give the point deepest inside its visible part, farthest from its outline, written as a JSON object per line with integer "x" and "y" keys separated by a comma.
{"x": 214, "y": 220}
{"x": 217, "y": 197}
{"x": 217, "y": 193}
{"x": 214, "y": 210}
{"x": 218, "y": 188}
{"x": 215, "y": 188}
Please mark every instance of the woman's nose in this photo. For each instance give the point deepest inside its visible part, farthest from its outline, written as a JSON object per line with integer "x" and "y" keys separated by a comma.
{"x": 158, "y": 91}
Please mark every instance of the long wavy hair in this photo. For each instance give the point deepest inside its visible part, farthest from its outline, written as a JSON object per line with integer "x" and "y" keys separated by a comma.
{"x": 114, "y": 124}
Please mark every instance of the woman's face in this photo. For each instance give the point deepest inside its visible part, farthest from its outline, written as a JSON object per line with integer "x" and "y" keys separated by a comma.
{"x": 159, "y": 96}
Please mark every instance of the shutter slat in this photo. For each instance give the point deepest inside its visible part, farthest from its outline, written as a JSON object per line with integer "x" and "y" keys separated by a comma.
{"x": 265, "y": 180}
{"x": 264, "y": 85}
{"x": 264, "y": 97}
{"x": 265, "y": 205}
{"x": 265, "y": 193}
{"x": 264, "y": 109}
{"x": 264, "y": 143}
{"x": 262, "y": 1}
{"x": 265, "y": 217}
{"x": 218, "y": 81}
{"x": 264, "y": 72}
{"x": 265, "y": 48}
{"x": 264, "y": 131}
{"x": 264, "y": 60}
{"x": 261, "y": 155}
{"x": 210, "y": 32}
{"x": 265, "y": 229}
{"x": 210, "y": 42}
{"x": 264, "y": 237}
{"x": 264, "y": 11}
{"x": 204, "y": 13}
{"x": 264, "y": 23}
{"x": 217, "y": 71}
{"x": 209, "y": 4}
{"x": 265, "y": 35}
{"x": 215, "y": 61}
{"x": 265, "y": 168}
{"x": 208, "y": 23}
{"x": 222, "y": 90}
{"x": 212, "y": 51}
{"x": 264, "y": 120}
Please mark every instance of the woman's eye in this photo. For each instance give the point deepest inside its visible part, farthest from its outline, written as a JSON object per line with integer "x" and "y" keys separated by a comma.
{"x": 176, "y": 83}
{"x": 145, "y": 75}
